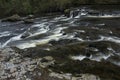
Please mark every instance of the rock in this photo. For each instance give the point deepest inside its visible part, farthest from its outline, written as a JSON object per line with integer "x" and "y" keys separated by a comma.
{"x": 2, "y": 58}
{"x": 30, "y": 17}
{"x": 28, "y": 79}
{"x": 47, "y": 59}
{"x": 67, "y": 12}
{"x": 28, "y": 21}
{"x": 93, "y": 12}
{"x": 12, "y": 18}
{"x": 14, "y": 75}
{"x": 90, "y": 77}
{"x": 9, "y": 76}
{"x": 65, "y": 76}
{"x": 56, "y": 75}
{"x": 86, "y": 77}
{"x": 31, "y": 67}
{"x": 75, "y": 13}
{"x": 13, "y": 70}
{"x": 3, "y": 77}
{"x": 15, "y": 60}
{"x": 23, "y": 72}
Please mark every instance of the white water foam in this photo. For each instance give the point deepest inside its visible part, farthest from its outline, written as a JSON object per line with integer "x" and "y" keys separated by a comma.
{"x": 56, "y": 36}
{"x": 42, "y": 28}
{"x": 6, "y": 33}
{"x": 100, "y": 57}
{"x": 111, "y": 39}
{"x": 12, "y": 39}
{"x": 103, "y": 16}
{"x": 81, "y": 31}
{"x": 94, "y": 58}
{"x": 80, "y": 57}
{"x": 56, "y": 19}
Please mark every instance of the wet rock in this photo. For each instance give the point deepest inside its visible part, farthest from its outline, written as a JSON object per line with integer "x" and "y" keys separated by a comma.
{"x": 63, "y": 41}
{"x": 9, "y": 76}
{"x": 88, "y": 55}
{"x": 3, "y": 77}
{"x": 47, "y": 59}
{"x": 12, "y": 18}
{"x": 28, "y": 21}
{"x": 66, "y": 76}
{"x": 75, "y": 13}
{"x": 105, "y": 69}
{"x": 67, "y": 12}
{"x": 30, "y": 16}
{"x": 16, "y": 60}
{"x": 12, "y": 70}
{"x": 14, "y": 74}
{"x": 31, "y": 67}
{"x": 93, "y": 12}
{"x": 114, "y": 59}
{"x": 86, "y": 77}
{"x": 72, "y": 13}
{"x": 28, "y": 79}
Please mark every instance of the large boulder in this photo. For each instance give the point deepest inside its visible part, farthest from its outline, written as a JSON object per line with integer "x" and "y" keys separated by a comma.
{"x": 12, "y": 18}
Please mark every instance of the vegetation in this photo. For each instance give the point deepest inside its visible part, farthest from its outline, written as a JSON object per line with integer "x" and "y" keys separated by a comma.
{"x": 8, "y": 7}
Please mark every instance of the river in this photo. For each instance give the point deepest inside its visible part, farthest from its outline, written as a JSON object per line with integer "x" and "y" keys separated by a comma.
{"x": 101, "y": 32}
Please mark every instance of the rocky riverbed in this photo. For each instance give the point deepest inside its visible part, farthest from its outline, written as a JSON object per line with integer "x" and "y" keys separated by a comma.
{"x": 16, "y": 67}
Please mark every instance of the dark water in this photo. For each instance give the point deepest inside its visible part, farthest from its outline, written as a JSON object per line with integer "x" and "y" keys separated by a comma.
{"x": 101, "y": 31}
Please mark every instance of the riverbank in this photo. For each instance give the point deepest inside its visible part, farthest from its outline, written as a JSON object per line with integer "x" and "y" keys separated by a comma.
{"x": 46, "y": 12}
{"x": 39, "y": 7}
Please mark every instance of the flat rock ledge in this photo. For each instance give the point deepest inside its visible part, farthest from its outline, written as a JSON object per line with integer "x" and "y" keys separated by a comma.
{"x": 15, "y": 67}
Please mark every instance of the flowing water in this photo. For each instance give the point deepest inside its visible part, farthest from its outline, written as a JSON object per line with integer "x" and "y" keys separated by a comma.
{"x": 101, "y": 30}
